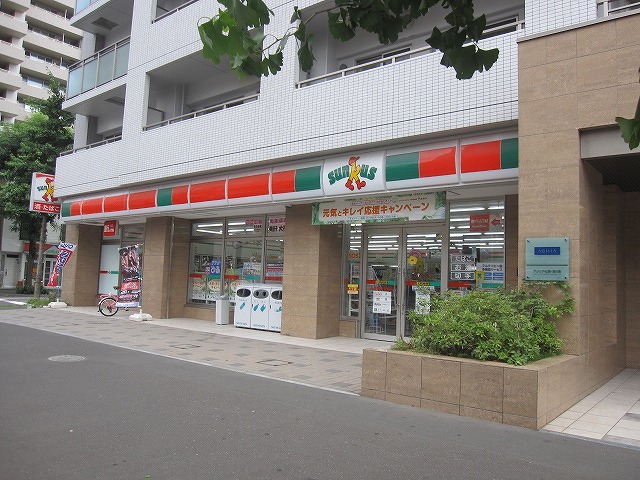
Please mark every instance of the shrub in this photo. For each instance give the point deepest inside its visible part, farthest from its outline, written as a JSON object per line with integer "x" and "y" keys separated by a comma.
{"x": 506, "y": 326}
{"x": 29, "y": 289}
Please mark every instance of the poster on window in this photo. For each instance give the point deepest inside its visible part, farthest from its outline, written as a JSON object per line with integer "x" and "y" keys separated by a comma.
{"x": 131, "y": 275}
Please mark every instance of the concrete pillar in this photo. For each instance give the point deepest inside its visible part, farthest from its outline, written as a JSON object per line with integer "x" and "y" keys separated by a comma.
{"x": 165, "y": 266}
{"x": 311, "y": 287}
{"x": 80, "y": 275}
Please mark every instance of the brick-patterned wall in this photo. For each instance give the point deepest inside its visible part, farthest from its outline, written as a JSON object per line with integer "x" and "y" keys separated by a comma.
{"x": 632, "y": 260}
{"x": 80, "y": 278}
{"x": 569, "y": 82}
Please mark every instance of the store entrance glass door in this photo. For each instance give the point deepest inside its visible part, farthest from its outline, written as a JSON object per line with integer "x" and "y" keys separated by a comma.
{"x": 403, "y": 267}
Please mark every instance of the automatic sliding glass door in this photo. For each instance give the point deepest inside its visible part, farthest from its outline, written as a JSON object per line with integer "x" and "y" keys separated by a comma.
{"x": 403, "y": 268}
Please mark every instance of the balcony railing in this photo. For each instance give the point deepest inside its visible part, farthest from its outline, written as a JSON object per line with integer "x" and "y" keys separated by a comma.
{"x": 82, "y": 4}
{"x": 165, "y": 13}
{"x": 393, "y": 59}
{"x": 204, "y": 111}
{"x": 92, "y": 145}
{"x": 611, "y": 7}
{"x": 102, "y": 67}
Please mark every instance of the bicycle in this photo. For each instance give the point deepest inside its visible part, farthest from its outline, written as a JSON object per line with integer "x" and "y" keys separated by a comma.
{"x": 108, "y": 304}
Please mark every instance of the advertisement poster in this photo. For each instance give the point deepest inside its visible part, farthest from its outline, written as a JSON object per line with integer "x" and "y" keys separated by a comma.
{"x": 198, "y": 288}
{"x": 381, "y": 302}
{"x": 490, "y": 275}
{"x": 131, "y": 274}
{"x": 65, "y": 250}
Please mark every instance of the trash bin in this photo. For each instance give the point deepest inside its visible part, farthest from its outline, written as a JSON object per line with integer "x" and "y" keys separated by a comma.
{"x": 222, "y": 310}
{"x": 242, "y": 310}
{"x": 260, "y": 308}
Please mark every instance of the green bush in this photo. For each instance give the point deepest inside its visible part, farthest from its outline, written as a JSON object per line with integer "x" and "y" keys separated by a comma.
{"x": 506, "y": 326}
{"x": 28, "y": 290}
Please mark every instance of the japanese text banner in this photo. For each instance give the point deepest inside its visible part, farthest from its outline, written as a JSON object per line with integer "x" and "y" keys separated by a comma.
{"x": 424, "y": 206}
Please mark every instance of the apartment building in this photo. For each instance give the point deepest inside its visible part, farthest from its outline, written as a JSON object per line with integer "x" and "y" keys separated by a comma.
{"x": 366, "y": 185}
{"x": 36, "y": 39}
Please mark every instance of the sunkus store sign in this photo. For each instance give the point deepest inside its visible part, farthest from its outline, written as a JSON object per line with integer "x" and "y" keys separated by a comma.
{"x": 412, "y": 207}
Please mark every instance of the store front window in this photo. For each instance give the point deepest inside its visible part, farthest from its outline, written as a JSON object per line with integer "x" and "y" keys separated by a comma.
{"x": 390, "y": 269}
{"x": 476, "y": 245}
{"x": 228, "y": 252}
{"x": 123, "y": 236}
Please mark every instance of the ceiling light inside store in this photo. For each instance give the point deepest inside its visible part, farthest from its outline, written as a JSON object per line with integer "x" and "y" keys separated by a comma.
{"x": 467, "y": 209}
{"x": 204, "y": 225}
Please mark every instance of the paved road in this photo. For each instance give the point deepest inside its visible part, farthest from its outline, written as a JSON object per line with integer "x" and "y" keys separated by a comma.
{"x": 123, "y": 414}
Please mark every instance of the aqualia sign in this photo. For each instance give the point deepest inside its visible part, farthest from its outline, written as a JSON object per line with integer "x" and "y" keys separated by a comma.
{"x": 547, "y": 259}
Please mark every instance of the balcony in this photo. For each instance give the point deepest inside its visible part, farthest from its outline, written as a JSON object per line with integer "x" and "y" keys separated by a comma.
{"x": 9, "y": 81}
{"x": 112, "y": 139}
{"x": 13, "y": 26}
{"x": 204, "y": 111}
{"x": 43, "y": 68}
{"x": 12, "y": 108}
{"x": 164, "y": 8}
{"x": 17, "y": 5}
{"x": 613, "y": 7}
{"x": 11, "y": 53}
{"x": 102, "y": 17}
{"x": 37, "y": 15}
{"x": 102, "y": 67}
{"x": 192, "y": 87}
{"x": 335, "y": 59}
{"x": 53, "y": 47}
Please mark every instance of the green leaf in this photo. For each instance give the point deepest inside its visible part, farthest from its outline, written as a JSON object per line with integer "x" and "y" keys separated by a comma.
{"x": 630, "y": 128}
{"x": 339, "y": 29}
{"x": 305, "y": 56}
{"x": 630, "y": 131}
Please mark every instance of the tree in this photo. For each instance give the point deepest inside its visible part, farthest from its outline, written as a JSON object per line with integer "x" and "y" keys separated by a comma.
{"x": 27, "y": 147}
{"x": 237, "y": 32}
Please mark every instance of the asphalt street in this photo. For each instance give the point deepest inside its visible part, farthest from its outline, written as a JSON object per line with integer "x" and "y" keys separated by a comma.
{"x": 110, "y": 413}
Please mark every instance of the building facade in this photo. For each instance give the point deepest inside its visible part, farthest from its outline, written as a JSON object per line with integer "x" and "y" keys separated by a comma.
{"x": 368, "y": 184}
{"x": 36, "y": 39}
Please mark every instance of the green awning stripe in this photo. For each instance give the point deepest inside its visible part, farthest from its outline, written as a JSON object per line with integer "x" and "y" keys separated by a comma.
{"x": 509, "y": 153}
{"x": 307, "y": 179}
{"x": 164, "y": 197}
{"x": 403, "y": 167}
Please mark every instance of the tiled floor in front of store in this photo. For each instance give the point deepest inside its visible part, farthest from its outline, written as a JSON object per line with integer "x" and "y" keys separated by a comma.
{"x": 611, "y": 413}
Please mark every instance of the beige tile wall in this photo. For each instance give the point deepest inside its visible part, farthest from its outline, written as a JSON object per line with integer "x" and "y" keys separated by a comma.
{"x": 573, "y": 80}
{"x": 311, "y": 284}
{"x": 80, "y": 279}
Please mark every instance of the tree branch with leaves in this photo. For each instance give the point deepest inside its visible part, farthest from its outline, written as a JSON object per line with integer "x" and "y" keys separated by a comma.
{"x": 237, "y": 32}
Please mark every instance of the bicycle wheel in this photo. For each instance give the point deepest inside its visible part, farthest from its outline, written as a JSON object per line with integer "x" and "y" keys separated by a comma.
{"x": 107, "y": 306}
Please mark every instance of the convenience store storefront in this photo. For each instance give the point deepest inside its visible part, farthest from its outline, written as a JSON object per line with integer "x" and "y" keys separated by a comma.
{"x": 379, "y": 230}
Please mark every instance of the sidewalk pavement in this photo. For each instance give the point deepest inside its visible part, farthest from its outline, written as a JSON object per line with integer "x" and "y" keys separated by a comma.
{"x": 331, "y": 363}
{"x": 610, "y": 414}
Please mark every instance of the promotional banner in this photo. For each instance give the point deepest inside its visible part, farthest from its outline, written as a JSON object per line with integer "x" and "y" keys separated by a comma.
{"x": 42, "y": 195}
{"x": 131, "y": 274}
{"x": 64, "y": 253}
{"x": 412, "y": 207}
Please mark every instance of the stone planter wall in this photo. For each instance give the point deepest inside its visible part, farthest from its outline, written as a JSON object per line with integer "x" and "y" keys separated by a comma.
{"x": 529, "y": 396}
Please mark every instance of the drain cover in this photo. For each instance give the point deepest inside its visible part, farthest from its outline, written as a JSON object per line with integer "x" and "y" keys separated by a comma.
{"x": 67, "y": 358}
{"x": 185, "y": 346}
{"x": 274, "y": 362}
